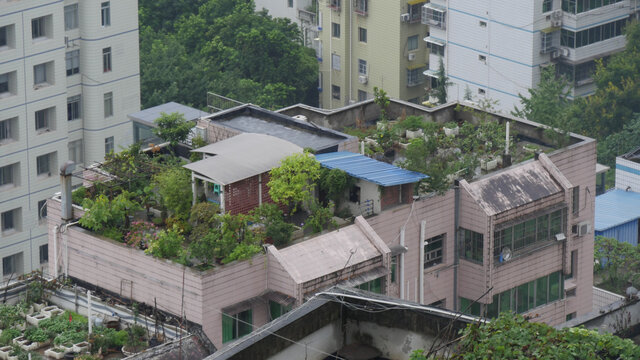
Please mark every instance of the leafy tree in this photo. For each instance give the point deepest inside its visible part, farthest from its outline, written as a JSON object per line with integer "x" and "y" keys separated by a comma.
{"x": 334, "y": 183}
{"x": 167, "y": 244}
{"x": 620, "y": 142}
{"x": 173, "y": 128}
{"x": 320, "y": 218}
{"x": 619, "y": 260}
{"x": 382, "y": 100}
{"x": 292, "y": 182}
{"x": 174, "y": 187}
{"x": 442, "y": 84}
{"x": 276, "y": 228}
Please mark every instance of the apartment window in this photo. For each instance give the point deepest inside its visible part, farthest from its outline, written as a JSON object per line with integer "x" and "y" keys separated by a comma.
{"x": 335, "y": 4}
{"x": 43, "y": 164}
{"x": 276, "y": 309}
{"x": 468, "y": 306}
{"x": 73, "y": 108}
{"x": 415, "y": 76}
{"x": 105, "y": 13}
{"x": 573, "y": 265}
{"x": 545, "y": 41}
{"x": 573, "y": 39}
{"x": 42, "y": 209}
{"x": 433, "y": 251}
{"x": 44, "y": 119}
{"x": 72, "y": 59}
{"x": 374, "y": 286}
{"x": 4, "y": 84}
{"x": 412, "y": 43}
{"x": 482, "y": 58}
{"x": 12, "y": 265}
{"x": 106, "y": 59}
{"x": 39, "y": 74}
{"x": 578, "y": 6}
{"x": 472, "y": 245}
{"x": 75, "y": 151}
{"x": 415, "y": 12}
{"x": 44, "y": 253}
{"x": 38, "y": 27}
{"x": 290, "y": 3}
{"x": 362, "y": 95}
{"x": 361, "y": 7}
{"x": 547, "y": 5}
{"x": 575, "y": 207}
{"x": 6, "y": 175}
{"x": 10, "y": 220}
{"x": 71, "y": 16}
{"x": 362, "y": 35}
{"x": 335, "y": 30}
{"x": 236, "y": 326}
{"x": 433, "y": 17}
{"x": 435, "y": 49}
{"x": 335, "y": 92}
{"x": 4, "y": 37}
{"x": 335, "y": 61}
{"x": 108, "y": 104}
{"x": 108, "y": 145}
{"x": 362, "y": 67}
{"x": 6, "y": 130}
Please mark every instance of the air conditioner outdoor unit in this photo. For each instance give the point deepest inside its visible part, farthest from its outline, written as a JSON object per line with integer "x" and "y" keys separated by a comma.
{"x": 412, "y": 56}
{"x": 363, "y": 79}
{"x": 556, "y": 23}
{"x": 557, "y": 14}
{"x": 564, "y": 51}
{"x": 405, "y": 17}
{"x": 584, "y": 228}
{"x": 555, "y": 54}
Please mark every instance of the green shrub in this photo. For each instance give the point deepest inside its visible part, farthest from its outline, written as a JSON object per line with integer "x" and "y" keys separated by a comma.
{"x": 70, "y": 337}
{"x": 280, "y": 233}
{"x": 168, "y": 244}
{"x": 36, "y": 335}
{"x": 10, "y": 316}
{"x": 78, "y": 195}
{"x": 8, "y": 335}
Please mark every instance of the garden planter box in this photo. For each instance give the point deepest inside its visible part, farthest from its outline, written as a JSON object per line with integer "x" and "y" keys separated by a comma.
{"x": 38, "y": 307}
{"x": 452, "y": 132}
{"x": 4, "y": 352}
{"x": 52, "y": 353}
{"x": 81, "y": 347}
{"x": 370, "y": 141}
{"x": 20, "y": 340}
{"x": 49, "y": 310}
{"x": 36, "y": 318}
{"x": 414, "y": 134}
{"x": 30, "y": 345}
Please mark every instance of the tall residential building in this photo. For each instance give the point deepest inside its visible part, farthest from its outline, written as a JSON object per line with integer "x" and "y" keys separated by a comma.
{"x": 301, "y": 12}
{"x": 496, "y": 49}
{"x": 68, "y": 78}
{"x": 365, "y": 44}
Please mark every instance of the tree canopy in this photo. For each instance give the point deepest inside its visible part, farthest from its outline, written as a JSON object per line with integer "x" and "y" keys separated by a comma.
{"x": 190, "y": 47}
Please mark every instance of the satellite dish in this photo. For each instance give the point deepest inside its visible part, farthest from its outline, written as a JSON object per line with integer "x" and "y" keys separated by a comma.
{"x": 506, "y": 254}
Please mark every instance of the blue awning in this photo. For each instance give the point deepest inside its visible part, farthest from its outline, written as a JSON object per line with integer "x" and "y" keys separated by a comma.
{"x": 616, "y": 207}
{"x": 362, "y": 167}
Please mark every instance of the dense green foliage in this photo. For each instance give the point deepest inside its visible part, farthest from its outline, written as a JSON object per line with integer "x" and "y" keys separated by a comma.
{"x": 513, "y": 337}
{"x": 173, "y": 128}
{"x": 174, "y": 189}
{"x": 442, "y": 84}
{"x": 223, "y": 46}
{"x": 292, "y": 182}
{"x": 617, "y": 262}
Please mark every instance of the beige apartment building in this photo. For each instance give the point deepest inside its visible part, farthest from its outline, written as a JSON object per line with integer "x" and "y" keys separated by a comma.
{"x": 364, "y": 44}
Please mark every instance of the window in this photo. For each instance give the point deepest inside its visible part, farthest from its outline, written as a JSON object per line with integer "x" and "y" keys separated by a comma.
{"x": 72, "y": 59}
{"x": 73, "y": 108}
{"x": 433, "y": 251}
{"x": 12, "y": 265}
{"x": 436, "y": 49}
{"x": 374, "y": 286}
{"x": 4, "y": 37}
{"x": 362, "y": 95}
{"x": 8, "y": 84}
{"x": 354, "y": 194}
{"x": 412, "y": 43}
{"x": 335, "y": 62}
{"x": 42, "y": 209}
{"x": 575, "y": 202}
{"x": 290, "y": 3}
{"x": 105, "y": 13}
{"x": 108, "y": 145}
{"x": 483, "y": 24}
{"x": 334, "y": 4}
{"x": 472, "y": 245}
{"x": 4, "y": 83}
{"x": 433, "y": 17}
{"x": 482, "y": 58}
{"x": 6, "y": 175}
{"x": 573, "y": 265}
{"x": 578, "y": 6}
{"x": 335, "y": 30}
{"x": 362, "y": 35}
{"x": 547, "y": 5}
{"x": 361, "y": 7}
{"x": 44, "y": 253}
{"x": 570, "y": 316}
{"x": 415, "y": 12}
{"x": 335, "y": 92}
{"x": 545, "y": 41}
{"x": 415, "y": 76}
{"x": 75, "y": 151}
{"x": 276, "y": 309}
{"x": 106, "y": 59}
{"x": 362, "y": 67}
{"x": 468, "y": 306}
{"x": 38, "y": 28}
{"x": 42, "y": 120}
{"x": 236, "y": 326}
{"x": 71, "y": 16}
{"x": 592, "y": 35}
{"x": 6, "y": 130}
{"x": 39, "y": 74}
{"x": 43, "y": 164}
{"x": 108, "y": 104}
{"x": 10, "y": 220}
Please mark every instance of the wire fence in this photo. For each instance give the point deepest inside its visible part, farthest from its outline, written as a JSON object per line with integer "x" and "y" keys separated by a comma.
{"x": 217, "y": 102}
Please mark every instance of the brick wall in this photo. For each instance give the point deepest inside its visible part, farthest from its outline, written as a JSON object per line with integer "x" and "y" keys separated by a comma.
{"x": 243, "y": 196}
{"x": 216, "y": 132}
{"x": 391, "y": 195}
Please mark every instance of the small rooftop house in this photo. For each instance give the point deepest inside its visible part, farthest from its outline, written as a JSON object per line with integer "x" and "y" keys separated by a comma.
{"x": 143, "y": 121}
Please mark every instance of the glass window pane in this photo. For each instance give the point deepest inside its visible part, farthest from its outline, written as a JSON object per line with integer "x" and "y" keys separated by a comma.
{"x": 541, "y": 291}
{"x": 505, "y": 301}
{"x": 522, "y": 298}
{"x": 554, "y": 286}
{"x": 245, "y": 321}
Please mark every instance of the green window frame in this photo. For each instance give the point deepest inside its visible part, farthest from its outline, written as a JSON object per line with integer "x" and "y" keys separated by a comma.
{"x": 237, "y": 325}
{"x": 374, "y": 286}
{"x": 276, "y": 309}
{"x": 472, "y": 245}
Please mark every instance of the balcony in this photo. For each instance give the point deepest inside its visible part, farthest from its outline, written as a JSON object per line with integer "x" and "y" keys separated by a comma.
{"x": 434, "y": 15}
{"x": 334, "y": 5}
{"x": 306, "y": 16}
{"x": 361, "y": 7}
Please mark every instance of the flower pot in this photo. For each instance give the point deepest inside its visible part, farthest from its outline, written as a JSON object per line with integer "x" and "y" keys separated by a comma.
{"x": 47, "y": 310}
{"x": 452, "y": 132}
{"x": 55, "y": 353}
{"x": 414, "y": 134}
{"x": 30, "y": 345}
{"x": 81, "y": 347}
{"x": 39, "y": 307}
{"x": 19, "y": 340}
{"x": 4, "y": 352}
{"x": 128, "y": 352}
{"x": 35, "y": 319}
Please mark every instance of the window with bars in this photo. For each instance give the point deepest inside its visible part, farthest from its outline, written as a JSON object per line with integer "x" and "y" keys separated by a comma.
{"x": 335, "y": 92}
{"x": 471, "y": 248}
{"x": 362, "y": 67}
{"x": 415, "y": 76}
{"x": 547, "y": 5}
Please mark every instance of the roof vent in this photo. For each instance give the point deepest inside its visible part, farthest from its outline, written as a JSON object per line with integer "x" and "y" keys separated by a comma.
{"x": 300, "y": 117}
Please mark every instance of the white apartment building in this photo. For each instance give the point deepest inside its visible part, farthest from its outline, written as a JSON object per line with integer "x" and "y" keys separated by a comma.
{"x": 69, "y": 75}
{"x": 496, "y": 49}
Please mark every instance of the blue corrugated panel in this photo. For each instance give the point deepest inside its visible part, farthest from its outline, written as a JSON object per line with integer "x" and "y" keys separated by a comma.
{"x": 616, "y": 207}
{"x": 362, "y": 167}
{"x": 627, "y": 232}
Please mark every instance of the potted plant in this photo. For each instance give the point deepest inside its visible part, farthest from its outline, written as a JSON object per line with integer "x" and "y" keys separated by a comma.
{"x": 135, "y": 340}
{"x": 55, "y": 352}
{"x": 451, "y": 129}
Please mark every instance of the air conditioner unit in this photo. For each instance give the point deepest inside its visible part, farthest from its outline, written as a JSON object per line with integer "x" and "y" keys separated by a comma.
{"x": 584, "y": 228}
{"x": 556, "y": 23}
{"x": 564, "y": 51}
{"x": 557, "y": 14}
{"x": 405, "y": 17}
{"x": 555, "y": 54}
{"x": 363, "y": 79}
{"x": 411, "y": 56}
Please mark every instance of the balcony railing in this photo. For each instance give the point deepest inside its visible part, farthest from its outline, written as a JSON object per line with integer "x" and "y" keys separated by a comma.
{"x": 306, "y": 16}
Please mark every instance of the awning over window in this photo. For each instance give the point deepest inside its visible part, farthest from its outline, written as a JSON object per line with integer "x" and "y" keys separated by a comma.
{"x": 431, "y": 39}
{"x": 435, "y": 7}
{"x": 431, "y": 73}
{"x": 549, "y": 30}
{"x": 416, "y": 66}
{"x": 413, "y": 2}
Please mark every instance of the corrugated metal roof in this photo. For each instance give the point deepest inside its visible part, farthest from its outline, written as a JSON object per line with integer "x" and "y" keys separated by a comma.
{"x": 243, "y": 156}
{"x": 362, "y": 167}
{"x": 616, "y": 207}
{"x": 148, "y": 116}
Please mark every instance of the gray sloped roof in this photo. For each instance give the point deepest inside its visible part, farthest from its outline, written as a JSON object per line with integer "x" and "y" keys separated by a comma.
{"x": 242, "y": 156}
{"x": 148, "y": 116}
